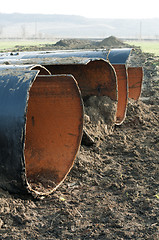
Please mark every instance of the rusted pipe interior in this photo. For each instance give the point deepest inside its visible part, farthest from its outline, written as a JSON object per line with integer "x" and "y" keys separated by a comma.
{"x": 94, "y": 78}
{"x": 135, "y": 77}
{"x": 122, "y": 92}
{"x": 53, "y": 131}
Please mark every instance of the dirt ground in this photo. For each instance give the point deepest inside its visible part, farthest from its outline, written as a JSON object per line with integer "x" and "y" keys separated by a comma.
{"x": 112, "y": 191}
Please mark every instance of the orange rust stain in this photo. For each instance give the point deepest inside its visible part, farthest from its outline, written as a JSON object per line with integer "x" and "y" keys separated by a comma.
{"x": 135, "y": 77}
{"x": 53, "y": 127}
{"x": 94, "y": 78}
{"x": 122, "y": 92}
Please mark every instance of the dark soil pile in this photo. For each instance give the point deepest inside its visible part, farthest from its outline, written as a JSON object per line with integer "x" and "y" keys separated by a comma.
{"x": 112, "y": 191}
{"x": 74, "y": 44}
{"x": 89, "y": 44}
{"x": 64, "y": 44}
{"x": 111, "y": 41}
{"x": 100, "y": 116}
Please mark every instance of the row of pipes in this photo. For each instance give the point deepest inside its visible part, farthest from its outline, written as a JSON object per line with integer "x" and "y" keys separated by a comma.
{"x": 41, "y": 110}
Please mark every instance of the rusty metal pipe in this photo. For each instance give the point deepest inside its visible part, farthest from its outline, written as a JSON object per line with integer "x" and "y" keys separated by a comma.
{"x": 117, "y": 57}
{"x": 135, "y": 76}
{"x": 41, "y": 120}
{"x": 94, "y": 78}
{"x": 122, "y": 92}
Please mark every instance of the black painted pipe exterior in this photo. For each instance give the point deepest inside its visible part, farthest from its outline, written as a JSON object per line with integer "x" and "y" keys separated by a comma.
{"x": 14, "y": 93}
{"x": 119, "y": 55}
{"x": 115, "y": 56}
{"x": 41, "y": 122}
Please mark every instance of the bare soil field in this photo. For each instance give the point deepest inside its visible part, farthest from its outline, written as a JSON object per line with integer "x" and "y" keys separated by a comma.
{"x": 112, "y": 191}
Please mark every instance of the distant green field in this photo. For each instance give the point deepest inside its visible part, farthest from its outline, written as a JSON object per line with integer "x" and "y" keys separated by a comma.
{"x": 7, "y": 45}
{"x": 147, "y": 46}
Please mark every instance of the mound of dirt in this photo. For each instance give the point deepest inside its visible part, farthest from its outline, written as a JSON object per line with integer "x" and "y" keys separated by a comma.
{"x": 111, "y": 42}
{"x": 74, "y": 44}
{"x": 62, "y": 43}
{"x": 100, "y": 116}
{"x": 67, "y": 44}
{"x": 150, "y": 64}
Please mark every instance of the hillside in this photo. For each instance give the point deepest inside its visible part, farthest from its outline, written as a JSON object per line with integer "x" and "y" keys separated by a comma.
{"x": 44, "y": 26}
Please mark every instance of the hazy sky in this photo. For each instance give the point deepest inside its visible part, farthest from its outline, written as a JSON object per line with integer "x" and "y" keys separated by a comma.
{"x": 86, "y": 8}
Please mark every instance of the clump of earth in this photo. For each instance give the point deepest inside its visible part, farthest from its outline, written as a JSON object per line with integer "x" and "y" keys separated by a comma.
{"x": 100, "y": 116}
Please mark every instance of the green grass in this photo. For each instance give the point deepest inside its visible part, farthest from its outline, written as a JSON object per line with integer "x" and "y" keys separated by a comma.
{"x": 147, "y": 46}
{"x": 10, "y": 45}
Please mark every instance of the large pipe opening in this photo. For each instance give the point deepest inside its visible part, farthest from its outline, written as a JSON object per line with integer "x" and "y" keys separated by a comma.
{"x": 96, "y": 78}
{"x": 53, "y": 131}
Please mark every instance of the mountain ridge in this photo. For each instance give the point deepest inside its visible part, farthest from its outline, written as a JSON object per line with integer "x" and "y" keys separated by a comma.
{"x": 59, "y": 25}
